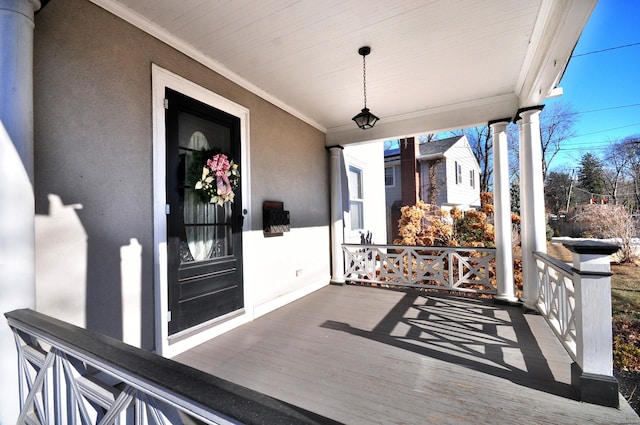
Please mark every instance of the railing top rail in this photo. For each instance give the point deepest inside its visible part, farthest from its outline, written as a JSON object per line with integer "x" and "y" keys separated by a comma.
{"x": 419, "y": 247}
{"x": 561, "y": 265}
{"x": 184, "y": 386}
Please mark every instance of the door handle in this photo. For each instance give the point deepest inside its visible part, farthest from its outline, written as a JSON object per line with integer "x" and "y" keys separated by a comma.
{"x": 244, "y": 212}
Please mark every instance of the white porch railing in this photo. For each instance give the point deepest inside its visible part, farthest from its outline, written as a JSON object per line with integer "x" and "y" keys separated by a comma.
{"x": 68, "y": 375}
{"x": 556, "y": 299}
{"x": 463, "y": 269}
{"x": 576, "y": 303}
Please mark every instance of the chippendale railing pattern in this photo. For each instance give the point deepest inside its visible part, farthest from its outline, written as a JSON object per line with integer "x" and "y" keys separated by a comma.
{"x": 556, "y": 299}
{"x": 463, "y": 269}
{"x": 68, "y": 375}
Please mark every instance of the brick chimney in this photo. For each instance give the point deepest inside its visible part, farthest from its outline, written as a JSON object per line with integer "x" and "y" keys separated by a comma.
{"x": 409, "y": 180}
{"x": 409, "y": 171}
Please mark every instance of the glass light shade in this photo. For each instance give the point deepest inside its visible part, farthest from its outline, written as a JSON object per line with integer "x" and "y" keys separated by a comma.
{"x": 365, "y": 119}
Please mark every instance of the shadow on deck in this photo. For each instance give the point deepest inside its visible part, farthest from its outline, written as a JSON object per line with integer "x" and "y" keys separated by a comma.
{"x": 368, "y": 355}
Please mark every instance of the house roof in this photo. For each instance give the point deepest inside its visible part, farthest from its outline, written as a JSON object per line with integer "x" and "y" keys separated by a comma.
{"x": 438, "y": 147}
{"x": 392, "y": 153}
{"x": 433, "y": 148}
{"x": 303, "y": 55}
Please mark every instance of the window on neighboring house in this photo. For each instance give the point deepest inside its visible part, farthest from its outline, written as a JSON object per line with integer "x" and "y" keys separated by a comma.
{"x": 472, "y": 178}
{"x": 389, "y": 177}
{"x": 458, "y": 173}
{"x": 356, "y": 201}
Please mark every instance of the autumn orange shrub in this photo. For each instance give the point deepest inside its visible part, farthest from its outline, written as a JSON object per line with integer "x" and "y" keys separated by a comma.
{"x": 475, "y": 230}
{"x": 486, "y": 203}
{"x": 424, "y": 225}
{"x": 428, "y": 225}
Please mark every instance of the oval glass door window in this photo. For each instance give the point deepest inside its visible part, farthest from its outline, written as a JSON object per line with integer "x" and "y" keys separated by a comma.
{"x": 199, "y": 215}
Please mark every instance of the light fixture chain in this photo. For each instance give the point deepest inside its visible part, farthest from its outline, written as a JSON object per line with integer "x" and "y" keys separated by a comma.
{"x": 365, "y": 119}
{"x": 364, "y": 78}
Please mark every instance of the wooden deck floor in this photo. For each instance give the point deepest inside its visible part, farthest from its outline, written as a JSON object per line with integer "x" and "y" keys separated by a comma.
{"x": 373, "y": 356}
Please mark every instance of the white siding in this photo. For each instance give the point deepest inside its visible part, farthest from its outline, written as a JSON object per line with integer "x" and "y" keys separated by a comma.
{"x": 369, "y": 158}
{"x": 394, "y": 193}
{"x": 461, "y": 193}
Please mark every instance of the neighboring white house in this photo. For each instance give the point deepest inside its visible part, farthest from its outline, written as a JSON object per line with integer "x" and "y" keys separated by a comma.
{"x": 455, "y": 172}
{"x": 448, "y": 176}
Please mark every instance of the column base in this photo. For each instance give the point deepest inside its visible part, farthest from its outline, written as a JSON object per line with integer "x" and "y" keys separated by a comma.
{"x": 529, "y": 306}
{"x": 337, "y": 282}
{"x": 507, "y": 300}
{"x": 595, "y": 389}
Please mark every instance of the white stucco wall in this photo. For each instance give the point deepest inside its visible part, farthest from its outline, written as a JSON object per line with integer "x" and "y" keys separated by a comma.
{"x": 94, "y": 151}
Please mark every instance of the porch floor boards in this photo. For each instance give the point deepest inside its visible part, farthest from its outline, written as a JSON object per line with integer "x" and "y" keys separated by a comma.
{"x": 363, "y": 355}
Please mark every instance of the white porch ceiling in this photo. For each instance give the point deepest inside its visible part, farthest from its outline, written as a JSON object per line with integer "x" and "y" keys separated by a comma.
{"x": 434, "y": 64}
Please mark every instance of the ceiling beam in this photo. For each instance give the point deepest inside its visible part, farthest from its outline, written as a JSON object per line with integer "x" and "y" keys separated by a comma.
{"x": 444, "y": 118}
{"x": 555, "y": 34}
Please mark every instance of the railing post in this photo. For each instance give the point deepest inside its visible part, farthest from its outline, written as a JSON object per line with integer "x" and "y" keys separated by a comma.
{"x": 592, "y": 375}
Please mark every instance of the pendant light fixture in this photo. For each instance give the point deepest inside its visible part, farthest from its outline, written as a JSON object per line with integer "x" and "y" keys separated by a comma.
{"x": 365, "y": 119}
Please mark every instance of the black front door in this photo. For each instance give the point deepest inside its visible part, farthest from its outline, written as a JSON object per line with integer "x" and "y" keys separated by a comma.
{"x": 204, "y": 239}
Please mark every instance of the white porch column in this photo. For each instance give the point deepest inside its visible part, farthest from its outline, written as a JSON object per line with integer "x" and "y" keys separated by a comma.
{"x": 337, "y": 218}
{"x": 17, "y": 241}
{"x": 502, "y": 212}
{"x": 533, "y": 233}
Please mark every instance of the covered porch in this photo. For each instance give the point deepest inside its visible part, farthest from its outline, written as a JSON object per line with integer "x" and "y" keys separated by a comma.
{"x": 357, "y": 355}
{"x": 344, "y": 354}
{"x": 367, "y": 355}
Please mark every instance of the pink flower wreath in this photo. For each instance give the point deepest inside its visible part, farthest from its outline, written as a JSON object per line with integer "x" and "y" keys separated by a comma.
{"x": 224, "y": 173}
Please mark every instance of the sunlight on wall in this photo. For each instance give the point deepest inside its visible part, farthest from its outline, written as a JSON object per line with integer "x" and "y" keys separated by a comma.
{"x": 61, "y": 263}
{"x": 278, "y": 271}
{"x": 61, "y": 270}
{"x": 16, "y": 263}
{"x": 131, "y": 278}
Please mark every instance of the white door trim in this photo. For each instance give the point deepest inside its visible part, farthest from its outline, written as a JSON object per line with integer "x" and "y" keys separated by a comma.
{"x": 162, "y": 79}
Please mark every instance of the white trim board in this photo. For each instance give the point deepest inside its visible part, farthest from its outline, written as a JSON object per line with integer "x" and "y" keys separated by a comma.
{"x": 163, "y": 35}
{"x": 162, "y": 79}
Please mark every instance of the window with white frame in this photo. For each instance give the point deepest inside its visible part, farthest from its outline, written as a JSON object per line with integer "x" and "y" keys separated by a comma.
{"x": 472, "y": 178}
{"x": 458, "y": 173}
{"x": 356, "y": 198}
{"x": 389, "y": 176}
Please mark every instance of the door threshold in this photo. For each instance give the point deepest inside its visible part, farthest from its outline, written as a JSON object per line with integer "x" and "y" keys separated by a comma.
{"x": 182, "y": 335}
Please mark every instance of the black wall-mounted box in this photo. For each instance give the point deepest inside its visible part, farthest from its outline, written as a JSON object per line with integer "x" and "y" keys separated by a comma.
{"x": 275, "y": 220}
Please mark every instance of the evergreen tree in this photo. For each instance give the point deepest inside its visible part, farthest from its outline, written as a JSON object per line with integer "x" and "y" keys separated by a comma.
{"x": 591, "y": 176}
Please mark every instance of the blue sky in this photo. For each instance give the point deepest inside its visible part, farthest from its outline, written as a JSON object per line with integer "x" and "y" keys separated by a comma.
{"x": 601, "y": 86}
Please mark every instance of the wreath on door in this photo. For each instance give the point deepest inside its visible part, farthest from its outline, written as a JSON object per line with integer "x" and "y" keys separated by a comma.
{"x": 214, "y": 176}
